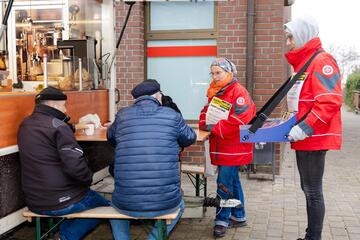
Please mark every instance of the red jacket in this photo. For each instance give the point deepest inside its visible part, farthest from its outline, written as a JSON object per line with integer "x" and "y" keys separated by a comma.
{"x": 225, "y": 146}
{"x": 320, "y": 98}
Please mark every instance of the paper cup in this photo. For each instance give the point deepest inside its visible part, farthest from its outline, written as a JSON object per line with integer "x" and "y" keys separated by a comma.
{"x": 90, "y": 129}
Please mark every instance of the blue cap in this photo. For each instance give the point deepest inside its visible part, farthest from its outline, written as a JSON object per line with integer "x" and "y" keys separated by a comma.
{"x": 147, "y": 87}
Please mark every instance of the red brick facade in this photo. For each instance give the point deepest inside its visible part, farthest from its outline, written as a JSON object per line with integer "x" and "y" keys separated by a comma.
{"x": 130, "y": 59}
{"x": 270, "y": 69}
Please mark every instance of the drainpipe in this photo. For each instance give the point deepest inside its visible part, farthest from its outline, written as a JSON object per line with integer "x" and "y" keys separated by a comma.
{"x": 250, "y": 49}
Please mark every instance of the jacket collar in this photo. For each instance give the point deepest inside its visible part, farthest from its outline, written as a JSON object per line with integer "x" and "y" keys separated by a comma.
{"x": 147, "y": 99}
{"x": 298, "y": 56}
{"x": 222, "y": 91}
{"x": 42, "y": 108}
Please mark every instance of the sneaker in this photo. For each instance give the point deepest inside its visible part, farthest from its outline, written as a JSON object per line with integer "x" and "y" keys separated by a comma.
{"x": 235, "y": 224}
{"x": 219, "y": 231}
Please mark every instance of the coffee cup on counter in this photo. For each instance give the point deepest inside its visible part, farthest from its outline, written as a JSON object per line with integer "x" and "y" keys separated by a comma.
{"x": 90, "y": 129}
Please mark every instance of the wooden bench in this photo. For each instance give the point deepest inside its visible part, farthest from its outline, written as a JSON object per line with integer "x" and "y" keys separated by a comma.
{"x": 194, "y": 172}
{"x": 99, "y": 213}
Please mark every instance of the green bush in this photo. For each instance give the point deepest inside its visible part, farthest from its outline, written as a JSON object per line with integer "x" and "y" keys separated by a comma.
{"x": 352, "y": 83}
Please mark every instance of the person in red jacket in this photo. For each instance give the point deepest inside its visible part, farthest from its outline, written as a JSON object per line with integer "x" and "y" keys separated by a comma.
{"x": 236, "y": 108}
{"x": 316, "y": 99}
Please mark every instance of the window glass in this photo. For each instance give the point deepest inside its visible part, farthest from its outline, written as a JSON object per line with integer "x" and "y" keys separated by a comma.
{"x": 182, "y": 69}
{"x": 181, "y": 15}
{"x": 64, "y": 31}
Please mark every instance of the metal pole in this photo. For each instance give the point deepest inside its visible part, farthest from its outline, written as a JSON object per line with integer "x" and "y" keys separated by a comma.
{"x": 162, "y": 229}
{"x": 250, "y": 45}
{"x": 6, "y": 17}
{"x": 197, "y": 185}
{"x": 46, "y": 80}
{"x": 131, "y": 4}
{"x": 38, "y": 229}
{"x": 80, "y": 75}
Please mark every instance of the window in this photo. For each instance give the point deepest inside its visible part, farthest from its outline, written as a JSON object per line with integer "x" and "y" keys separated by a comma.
{"x": 63, "y": 30}
{"x": 181, "y": 16}
{"x": 181, "y": 44}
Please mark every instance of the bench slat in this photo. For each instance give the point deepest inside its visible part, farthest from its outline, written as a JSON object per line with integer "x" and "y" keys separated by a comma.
{"x": 102, "y": 212}
{"x": 185, "y": 168}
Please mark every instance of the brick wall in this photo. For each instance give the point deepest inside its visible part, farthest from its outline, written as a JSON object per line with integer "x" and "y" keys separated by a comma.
{"x": 271, "y": 68}
{"x": 232, "y": 32}
{"x": 194, "y": 154}
{"x": 130, "y": 60}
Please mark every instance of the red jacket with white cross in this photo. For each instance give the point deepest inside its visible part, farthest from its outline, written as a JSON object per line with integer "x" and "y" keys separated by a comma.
{"x": 225, "y": 146}
{"x": 320, "y": 98}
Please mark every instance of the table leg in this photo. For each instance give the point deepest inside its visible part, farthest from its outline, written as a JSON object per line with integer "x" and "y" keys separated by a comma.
{"x": 162, "y": 231}
{"x": 197, "y": 185}
{"x": 38, "y": 229}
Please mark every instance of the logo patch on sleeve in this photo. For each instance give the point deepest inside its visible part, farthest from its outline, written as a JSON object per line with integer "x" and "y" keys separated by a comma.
{"x": 240, "y": 101}
{"x": 327, "y": 70}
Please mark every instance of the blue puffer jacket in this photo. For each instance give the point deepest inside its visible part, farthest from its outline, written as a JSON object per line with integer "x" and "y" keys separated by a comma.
{"x": 147, "y": 137}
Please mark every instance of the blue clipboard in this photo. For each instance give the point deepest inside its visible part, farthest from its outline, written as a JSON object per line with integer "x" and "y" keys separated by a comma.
{"x": 277, "y": 132}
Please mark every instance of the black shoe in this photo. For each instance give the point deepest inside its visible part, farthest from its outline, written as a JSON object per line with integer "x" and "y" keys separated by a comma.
{"x": 219, "y": 231}
{"x": 236, "y": 224}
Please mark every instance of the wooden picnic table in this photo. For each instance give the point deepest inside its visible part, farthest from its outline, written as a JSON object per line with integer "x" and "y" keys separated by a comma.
{"x": 100, "y": 135}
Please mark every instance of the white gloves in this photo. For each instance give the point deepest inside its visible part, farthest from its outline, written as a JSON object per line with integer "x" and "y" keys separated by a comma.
{"x": 297, "y": 134}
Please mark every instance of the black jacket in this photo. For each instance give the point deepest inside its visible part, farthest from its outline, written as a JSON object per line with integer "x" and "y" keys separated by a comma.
{"x": 54, "y": 170}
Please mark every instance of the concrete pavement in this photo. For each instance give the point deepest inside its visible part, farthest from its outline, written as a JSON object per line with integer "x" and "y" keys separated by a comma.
{"x": 276, "y": 210}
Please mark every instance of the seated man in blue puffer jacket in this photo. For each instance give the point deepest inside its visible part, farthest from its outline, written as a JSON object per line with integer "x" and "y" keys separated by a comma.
{"x": 147, "y": 137}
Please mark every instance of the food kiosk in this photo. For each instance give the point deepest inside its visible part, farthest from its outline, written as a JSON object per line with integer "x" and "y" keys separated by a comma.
{"x": 56, "y": 43}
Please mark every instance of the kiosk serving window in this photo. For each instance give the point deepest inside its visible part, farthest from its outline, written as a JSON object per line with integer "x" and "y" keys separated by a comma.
{"x": 51, "y": 40}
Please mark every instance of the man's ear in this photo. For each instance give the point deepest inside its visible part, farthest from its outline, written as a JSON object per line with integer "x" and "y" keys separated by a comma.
{"x": 159, "y": 97}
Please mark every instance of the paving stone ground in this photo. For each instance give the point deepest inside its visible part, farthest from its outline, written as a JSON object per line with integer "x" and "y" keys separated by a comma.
{"x": 276, "y": 209}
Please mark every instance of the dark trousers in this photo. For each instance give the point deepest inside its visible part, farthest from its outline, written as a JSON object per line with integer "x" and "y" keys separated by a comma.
{"x": 311, "y": 169}
{"x": 77, "y": 228}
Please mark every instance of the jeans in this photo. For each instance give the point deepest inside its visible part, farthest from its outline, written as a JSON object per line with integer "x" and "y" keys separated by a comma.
{"x": 74, "y": 229}
{"x": 229, "y": 186}
{"x": 311, "y": 169}
{"x": 121, "y": 228}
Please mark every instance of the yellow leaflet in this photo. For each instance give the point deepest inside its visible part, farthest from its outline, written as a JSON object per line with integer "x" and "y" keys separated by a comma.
{"x": 222, "y": 104}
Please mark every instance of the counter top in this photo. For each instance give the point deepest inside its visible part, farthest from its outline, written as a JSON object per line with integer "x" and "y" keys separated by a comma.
{"x": 100, "y": 135}
{"x": 202, "y": 136}
{"x": 15, "y": 106}
{"x": 17, "y": 92}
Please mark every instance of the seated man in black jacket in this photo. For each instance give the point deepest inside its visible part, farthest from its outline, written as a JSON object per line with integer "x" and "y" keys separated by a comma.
{"x": 54, "y": 172}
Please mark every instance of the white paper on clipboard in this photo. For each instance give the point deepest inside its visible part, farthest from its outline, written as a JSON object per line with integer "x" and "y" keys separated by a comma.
{"x": 218, "y": 110}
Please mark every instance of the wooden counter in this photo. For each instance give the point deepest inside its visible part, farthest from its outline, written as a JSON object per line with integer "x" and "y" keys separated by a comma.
{"x": 14, "y": 107}
{"x": 202, "y": 136}
{"x": 100, "y": 135}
